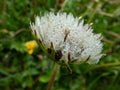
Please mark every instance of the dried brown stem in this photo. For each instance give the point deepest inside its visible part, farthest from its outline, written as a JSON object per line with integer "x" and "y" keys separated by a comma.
{"x": 113, "y": 34}
{"x": 51, "y": 82}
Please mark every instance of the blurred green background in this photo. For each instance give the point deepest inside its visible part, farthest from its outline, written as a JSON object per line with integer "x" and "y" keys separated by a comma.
{"x": 20, "y": 70}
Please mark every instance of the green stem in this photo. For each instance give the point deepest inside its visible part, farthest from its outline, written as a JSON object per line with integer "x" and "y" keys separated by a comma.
{"x": 94, "y": 12}
{"x": 52, "y": 79}
{"x": 103, "y": 66}
{"x": 107, "y": 65}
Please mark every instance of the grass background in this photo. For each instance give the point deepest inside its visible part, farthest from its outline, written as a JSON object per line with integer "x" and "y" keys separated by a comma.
{"x": 21, "y": 71}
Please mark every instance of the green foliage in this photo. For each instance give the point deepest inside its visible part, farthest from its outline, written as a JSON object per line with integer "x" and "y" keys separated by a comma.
{"x": 21, "y": 71}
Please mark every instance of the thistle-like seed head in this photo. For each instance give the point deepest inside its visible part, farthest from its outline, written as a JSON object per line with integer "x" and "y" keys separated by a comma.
{"x": 66, "y": 38}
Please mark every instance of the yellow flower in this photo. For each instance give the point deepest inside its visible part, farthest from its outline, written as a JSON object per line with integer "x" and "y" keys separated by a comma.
{"x": 30, "y": 45}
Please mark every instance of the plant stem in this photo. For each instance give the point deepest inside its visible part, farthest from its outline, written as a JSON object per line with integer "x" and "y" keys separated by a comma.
{"x": 107, "y": 65}
{"x": 94, "y": 12}
{"x": 103, "y": 66}
{"x": 54, "y": 73}
{"x": 63, "y": 5}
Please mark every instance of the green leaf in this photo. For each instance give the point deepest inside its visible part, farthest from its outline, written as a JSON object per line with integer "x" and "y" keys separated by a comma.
{"x": 44, "y": 79}
{"x": 31, "y": 71}
{"x": 28, "y": 82}
{"x": 18, "y": 46}
{"x": 3, "y": 72}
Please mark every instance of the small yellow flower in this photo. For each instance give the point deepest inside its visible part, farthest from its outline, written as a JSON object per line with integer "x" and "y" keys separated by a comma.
{"x": 30, "y": 51}
{"x": 31, "y": 45}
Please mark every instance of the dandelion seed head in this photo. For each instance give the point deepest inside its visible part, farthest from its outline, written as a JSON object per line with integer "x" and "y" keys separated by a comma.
{"x": 72, "y": 40}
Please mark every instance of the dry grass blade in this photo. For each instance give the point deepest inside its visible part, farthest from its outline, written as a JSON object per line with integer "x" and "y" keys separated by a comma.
{"x": 113, "y": 34}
